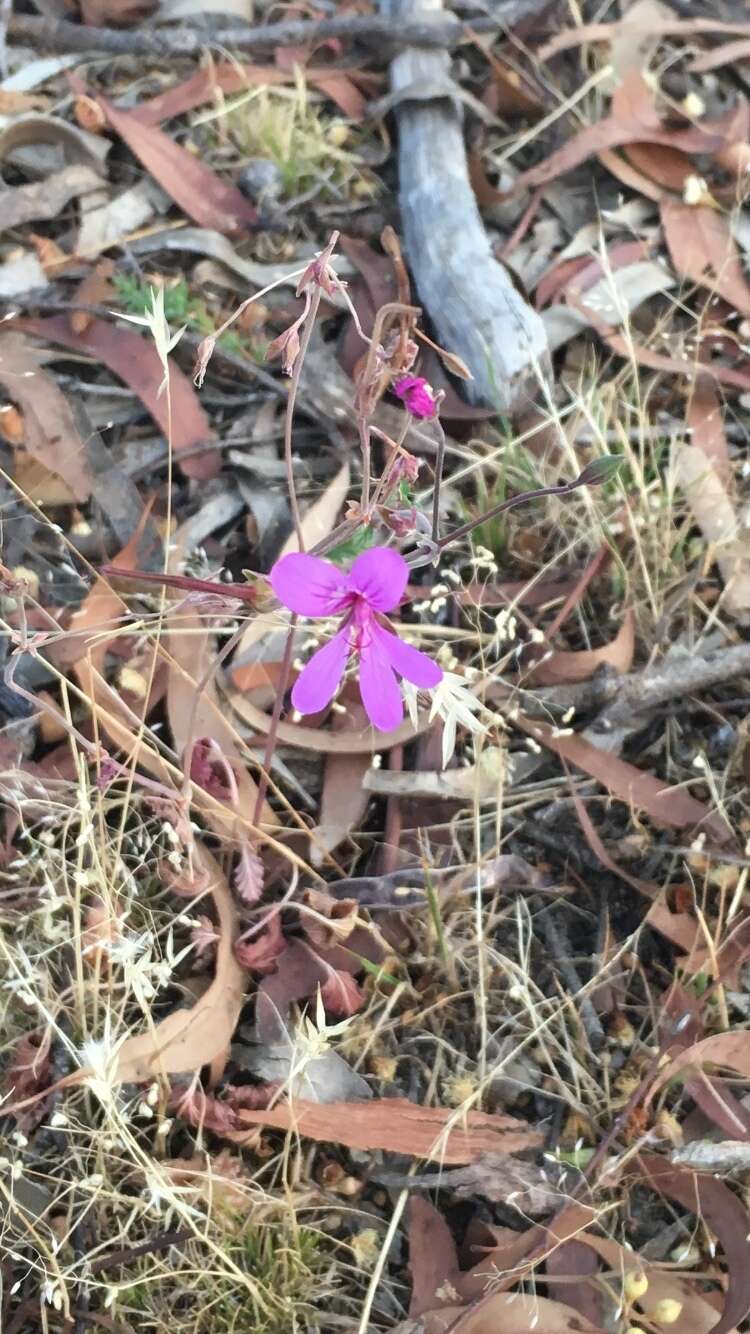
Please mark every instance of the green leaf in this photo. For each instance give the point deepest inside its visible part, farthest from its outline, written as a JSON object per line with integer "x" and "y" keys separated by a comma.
{"x": 601, "y": 470}
{"x": 353, "y": 546}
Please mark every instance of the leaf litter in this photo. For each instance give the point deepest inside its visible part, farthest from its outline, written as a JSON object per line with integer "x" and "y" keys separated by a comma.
{"x": 497, "y": 953}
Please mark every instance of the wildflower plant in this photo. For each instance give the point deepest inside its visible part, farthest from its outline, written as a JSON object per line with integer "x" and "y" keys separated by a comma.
{"x": 374, "y": 585}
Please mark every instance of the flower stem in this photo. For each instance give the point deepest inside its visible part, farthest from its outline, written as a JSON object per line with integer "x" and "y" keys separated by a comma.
{"x": 563, "y": 490}
{"x": 286, "y": 663}
{"x": 289, "y": 417}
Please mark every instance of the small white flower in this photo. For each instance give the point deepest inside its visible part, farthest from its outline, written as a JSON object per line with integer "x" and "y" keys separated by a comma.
{"x": 454, "y": 703}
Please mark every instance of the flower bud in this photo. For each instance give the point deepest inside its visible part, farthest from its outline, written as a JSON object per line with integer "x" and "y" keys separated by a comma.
{"x": 634, "y": 1284}
{"x": 667, "y": 1311}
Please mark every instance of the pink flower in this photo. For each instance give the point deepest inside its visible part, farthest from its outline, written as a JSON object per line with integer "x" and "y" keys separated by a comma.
{"x": 416, "y": 395}
{"x": 375, "y": 584}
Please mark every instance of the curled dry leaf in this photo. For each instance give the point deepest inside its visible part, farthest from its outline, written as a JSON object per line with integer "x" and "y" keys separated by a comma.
{"x": 400, "y": 1127}
{"x": 190, "y": 1038}
{"x": 258, "y": 953}
{"x": 195, "y": 712}
{"x": 329, "y": 921}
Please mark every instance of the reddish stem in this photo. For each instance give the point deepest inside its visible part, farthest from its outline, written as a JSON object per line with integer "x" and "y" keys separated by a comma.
{"x": 240, "y": 592}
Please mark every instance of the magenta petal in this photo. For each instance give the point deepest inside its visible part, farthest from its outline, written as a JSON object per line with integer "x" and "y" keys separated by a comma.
{"x": 380, "y": 575}
{"x": 407, "y": 661}
{"x": 379, "y": 688}
{"x": 310, "y": 586}
{"x": 318, "y": 682}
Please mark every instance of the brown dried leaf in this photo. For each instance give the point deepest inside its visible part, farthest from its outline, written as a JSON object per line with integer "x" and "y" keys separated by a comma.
{"x": 633, "y": 120}
{"x": 433, "y": 1260}
{"x": 50, "y": 433}
{"x": 658, "y": 26}
{"x": 699, "y": 1309}
{"x": 703, "y": 251}
{"x": 717, "y": 519}
{"x": 334, "y": 919}
{"x": 729, "y": 1050}
{"x": 564, "y": 666}
{"x": 203, "y": 196}
{"x": 194, "y": 710}
{"x": 724, "y": 1213}
{"x": 511, "y": 1313}
{"x": 188, "y": 1039}
{"x": 95, "y": 290}
{"x": 234, "y": 78}
{"x": 134, "y": 359}
{"x": 344, "y": 800}
{"x": 340, "y": 994}
{"x": 400, "y": 1127}
{"x": 666, "y": 805}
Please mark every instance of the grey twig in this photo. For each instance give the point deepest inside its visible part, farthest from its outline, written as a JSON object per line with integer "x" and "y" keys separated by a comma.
{"x": 191, "y": 39}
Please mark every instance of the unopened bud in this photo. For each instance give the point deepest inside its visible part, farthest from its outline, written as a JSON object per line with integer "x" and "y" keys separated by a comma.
{"x": 634, "y": 1285}
{"x": 667, "y": 1311}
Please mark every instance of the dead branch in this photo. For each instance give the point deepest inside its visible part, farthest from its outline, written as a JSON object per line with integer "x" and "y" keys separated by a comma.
{"x": 469, "y": 297}
{"x": 191, "y": 39}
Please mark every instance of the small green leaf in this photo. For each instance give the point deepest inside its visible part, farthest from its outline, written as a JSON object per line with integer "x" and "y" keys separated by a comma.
{"x": 375, "y": 969}
{"x": 353, "y": 546}
{"x": 601, "y": 470}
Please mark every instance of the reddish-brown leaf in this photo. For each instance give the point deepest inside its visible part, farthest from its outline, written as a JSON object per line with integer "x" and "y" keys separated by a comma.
{"x": 706, "y": 422}
{"x": 400, "y": 1127}
{"x": 634, "y": 120}
{"x": 340, "y": 994}
{"x": 200, "y": 193}
{"x": 666, "y": 166}
{"x": 704, "y": 251}
{"x": 666, "y": 805}
{"x": 116, "y": 13}
{"x": 724, "y": 1213}
{"x": 433, "y": 1260}
{"x": 49, "y": 431}
{"x": 134, "y": 359}
{"x": 562, "y": 665}
{"x": 230, "y": 78}
{"x": 260, "y": 952}
{"x": 609, "y": 32}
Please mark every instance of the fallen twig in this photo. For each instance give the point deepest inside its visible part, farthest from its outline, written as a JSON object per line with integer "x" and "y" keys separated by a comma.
{"x": 192, "y": 39}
